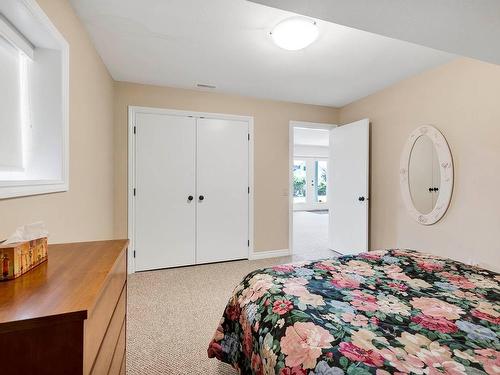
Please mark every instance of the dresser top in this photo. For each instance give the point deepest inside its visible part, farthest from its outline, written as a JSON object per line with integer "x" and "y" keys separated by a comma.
{"x": 69, "y": 283}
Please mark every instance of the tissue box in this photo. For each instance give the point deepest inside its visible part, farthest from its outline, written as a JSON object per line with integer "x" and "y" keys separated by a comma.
{"x": 20, "y": 257}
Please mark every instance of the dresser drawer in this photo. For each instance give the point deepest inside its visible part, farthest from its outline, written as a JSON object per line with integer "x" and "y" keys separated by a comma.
{"x": 111, "y": 342}
{"x": 123, "y": 369}
{"x": 119, "y": 355}
{"x": 100, "y": 316}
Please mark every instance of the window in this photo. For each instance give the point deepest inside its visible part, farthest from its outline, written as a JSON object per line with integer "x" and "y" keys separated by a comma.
{"x": 320, "y": 173}
{"x": 33, "y": 102}
{"x": 299, "y": 181}
{"x": 13, "y": 64}
{"x": 310, "y": 175}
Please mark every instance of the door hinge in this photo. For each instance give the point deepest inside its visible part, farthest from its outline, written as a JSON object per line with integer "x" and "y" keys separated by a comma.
{"x": 248, "y": 243}
{"x": 249, "y": 190}
{"x": 134, "y": 192}
{"x": 134, "y": 253}
{"x": 248, "y": 136}
{"x": 135, "y": 129}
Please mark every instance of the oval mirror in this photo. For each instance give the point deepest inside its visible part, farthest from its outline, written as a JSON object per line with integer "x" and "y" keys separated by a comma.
{"x": 426, "y": 175}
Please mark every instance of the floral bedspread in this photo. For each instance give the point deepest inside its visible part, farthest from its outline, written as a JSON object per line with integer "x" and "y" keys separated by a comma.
{"x": 388, "y": 311}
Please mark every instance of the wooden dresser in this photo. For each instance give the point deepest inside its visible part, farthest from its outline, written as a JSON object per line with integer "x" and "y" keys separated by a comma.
{"x": 67, "y": 316}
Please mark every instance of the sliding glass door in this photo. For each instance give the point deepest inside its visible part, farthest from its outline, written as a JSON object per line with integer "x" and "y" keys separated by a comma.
{"x": 310, "y": 180}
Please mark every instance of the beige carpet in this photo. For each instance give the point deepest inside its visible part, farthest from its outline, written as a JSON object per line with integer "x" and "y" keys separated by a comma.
{"x": 310, "y": 232}
{"x": 173, "y": 313}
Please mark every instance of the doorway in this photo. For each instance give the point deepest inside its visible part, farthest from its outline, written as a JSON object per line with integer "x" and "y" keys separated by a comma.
{"x": 309, "y": 211}
{"x": 329, "y": 189}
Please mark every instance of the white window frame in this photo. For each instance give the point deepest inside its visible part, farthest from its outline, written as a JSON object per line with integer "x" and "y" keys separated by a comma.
{"x": 15, "y": 38}
{"x": 36, "y": 19}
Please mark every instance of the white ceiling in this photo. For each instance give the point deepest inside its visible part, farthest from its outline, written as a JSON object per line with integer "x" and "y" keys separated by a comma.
{"x": 311, "y": 137}
{"x": 225, "y": 43}
{"x": 463, "y": 27}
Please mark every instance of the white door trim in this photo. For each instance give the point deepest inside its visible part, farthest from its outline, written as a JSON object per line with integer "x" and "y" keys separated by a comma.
{"x": 132, "y": 112}
{"x": 292, "y": 125}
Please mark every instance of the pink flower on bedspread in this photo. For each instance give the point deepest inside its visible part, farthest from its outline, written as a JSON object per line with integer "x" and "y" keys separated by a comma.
{"x": 430, "y": 266}
{"x": 259, "y": 285}
{"x": 364, "y": 301}
{"x": 373, "y": 255}
{"x": 398, "y": 286}
{"x": 344, "y": 281}
{"x": 257, "y": 364}
{"x": 438, "y": 360}
{"x": 458, "y": 280}
{"x": 435, "y": 324}
{"x": 233, "y": 311}
{"x": 283, "y": 268}
{"x": 215, "y": 351}
{"x": 404, "y": 362}
{"x": 295, "y": 287}
{"x": 436, "y": 308}
{"x": 282, "y": 306}
{"x": 326, "y": 266}
{"x": 297, "y": 370}
{"x": 355, "y": 353}
{"x": 357, "y": 320}
{"x": 490, "y": 358}
{"x": 303, "y": 343}
{"x": 484, "y": 316}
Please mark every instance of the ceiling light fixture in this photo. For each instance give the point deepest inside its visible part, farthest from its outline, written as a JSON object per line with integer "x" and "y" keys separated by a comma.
{"x": 295, "y": 33}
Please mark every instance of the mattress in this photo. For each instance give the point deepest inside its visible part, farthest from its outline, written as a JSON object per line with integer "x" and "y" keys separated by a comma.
{"x": 387, "y": 311}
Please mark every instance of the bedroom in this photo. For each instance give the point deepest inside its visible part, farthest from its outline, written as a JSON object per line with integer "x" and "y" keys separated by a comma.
{"x": 436, "y": 65}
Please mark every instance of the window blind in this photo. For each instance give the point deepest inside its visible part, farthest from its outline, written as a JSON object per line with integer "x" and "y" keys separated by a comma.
{"x": 11, "y": 147}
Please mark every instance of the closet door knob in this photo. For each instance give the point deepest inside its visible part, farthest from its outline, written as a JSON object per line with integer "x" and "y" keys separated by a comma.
{"x": 201, "y": 197}
{"x": 361, "y": 199}
{"x": 190, "y": 198}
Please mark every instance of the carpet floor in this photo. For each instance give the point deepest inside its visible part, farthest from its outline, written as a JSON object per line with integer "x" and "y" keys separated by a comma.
{"x": 173, "y": 313}
{"x": 310, "y": 232}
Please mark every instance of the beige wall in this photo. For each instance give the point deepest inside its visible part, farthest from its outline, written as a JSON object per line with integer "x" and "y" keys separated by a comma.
{"x": 462, "y": 99}
{"x": 86, "y": 211}
{"x": 271, "y": 123}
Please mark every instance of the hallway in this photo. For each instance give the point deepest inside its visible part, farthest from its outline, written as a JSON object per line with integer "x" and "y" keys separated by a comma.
{"x": 310, "y": 234}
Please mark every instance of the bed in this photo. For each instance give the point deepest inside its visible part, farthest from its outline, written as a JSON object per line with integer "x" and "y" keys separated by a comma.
{"x": 381, "y": 312}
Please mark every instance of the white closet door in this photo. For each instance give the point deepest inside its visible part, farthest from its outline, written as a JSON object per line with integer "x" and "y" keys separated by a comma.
{"x": 165, "y": 178}
{"x": 222, "y": 190}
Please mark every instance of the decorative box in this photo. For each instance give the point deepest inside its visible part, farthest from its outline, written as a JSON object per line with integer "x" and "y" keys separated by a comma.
{"x": 20, "y": 257}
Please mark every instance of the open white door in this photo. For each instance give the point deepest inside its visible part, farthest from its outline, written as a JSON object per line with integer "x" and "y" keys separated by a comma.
{"x": 348, "y": 188}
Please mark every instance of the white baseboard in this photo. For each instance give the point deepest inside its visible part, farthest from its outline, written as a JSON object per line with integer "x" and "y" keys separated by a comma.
{"x": 269, "y": 254}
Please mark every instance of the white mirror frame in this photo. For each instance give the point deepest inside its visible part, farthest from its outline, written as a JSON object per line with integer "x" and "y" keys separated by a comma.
{"x": 446, "y": 171}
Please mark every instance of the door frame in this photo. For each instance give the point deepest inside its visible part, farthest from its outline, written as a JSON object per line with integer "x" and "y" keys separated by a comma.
{"x": 291, "y": 127}
{"x": 132, "y": 112}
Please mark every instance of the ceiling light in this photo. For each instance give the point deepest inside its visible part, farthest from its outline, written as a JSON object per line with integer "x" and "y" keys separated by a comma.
{"x": 295, "y": 33}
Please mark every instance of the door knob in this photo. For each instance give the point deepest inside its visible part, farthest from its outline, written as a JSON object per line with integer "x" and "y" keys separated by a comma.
{"x": 190, "y": 198}
{"x": 361, "y": 199}
{"x": 201, "y": 197}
